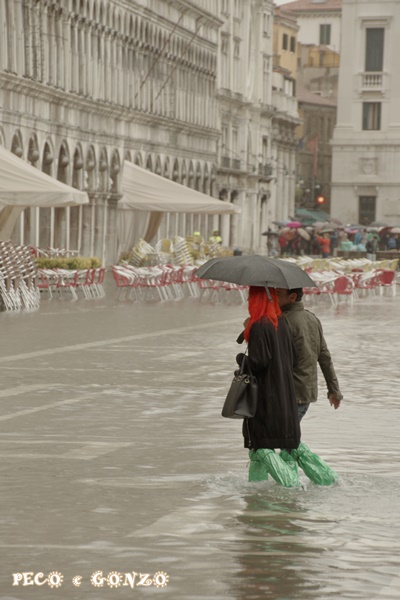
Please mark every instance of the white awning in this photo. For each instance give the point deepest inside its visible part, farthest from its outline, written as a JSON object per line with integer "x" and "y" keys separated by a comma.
{"x": 22, "y": 185}
{"x": 144, "y": 190}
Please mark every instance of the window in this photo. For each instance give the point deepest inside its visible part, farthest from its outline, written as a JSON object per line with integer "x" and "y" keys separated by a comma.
{"x": 292, "y": 44}
{"x": 366, "y": 209}
{"x": 374, "y": 49}
{"x": 264, "y": 150}
{"x": 285, "y": 41}
{"x": 235, "y": 134}
{"x": 324, "y": 35}
{"x": 224, "y": 140}
{"x": 265, "y": 23}
{"x": 371, "y": 118}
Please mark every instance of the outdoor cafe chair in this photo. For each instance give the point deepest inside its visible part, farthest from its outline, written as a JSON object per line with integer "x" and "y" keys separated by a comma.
{"x": 343, "y": 287}
{"x": 387, "y": 281}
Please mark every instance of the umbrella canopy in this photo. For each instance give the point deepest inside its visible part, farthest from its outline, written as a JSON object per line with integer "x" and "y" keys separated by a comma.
{"x": 309, "y": 216}
{"x": 270, "y": 233}
{"x": 294, "y": 224}
{"x": 280, "y": 223}
{"x": 304, "y": 234}
{"x": 395, "y": 230}
{"x": 256, "y": 270}
{"x": 379, "y": 224}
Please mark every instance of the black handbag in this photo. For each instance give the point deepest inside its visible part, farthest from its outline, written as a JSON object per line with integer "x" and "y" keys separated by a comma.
{"x": 241, "y": 400}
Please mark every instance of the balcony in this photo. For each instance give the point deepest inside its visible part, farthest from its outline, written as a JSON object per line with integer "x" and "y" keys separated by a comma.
{"x": 284, "y": 103}
{"x": 373, "y": 81}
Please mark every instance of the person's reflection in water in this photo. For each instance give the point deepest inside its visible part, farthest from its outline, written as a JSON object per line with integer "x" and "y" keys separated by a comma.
{"x": 272, "y": 553}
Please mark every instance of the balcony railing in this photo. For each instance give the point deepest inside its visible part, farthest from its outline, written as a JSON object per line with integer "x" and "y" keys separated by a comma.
{"x": 284, "y": 103}
{"x": 373, "y": 81}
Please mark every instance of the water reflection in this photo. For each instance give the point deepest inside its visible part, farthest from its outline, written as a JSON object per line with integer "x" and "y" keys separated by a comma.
{"x": 272, "y": 551}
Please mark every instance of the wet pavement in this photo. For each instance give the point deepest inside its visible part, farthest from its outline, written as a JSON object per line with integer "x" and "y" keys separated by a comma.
{"x": 114, "y": 458}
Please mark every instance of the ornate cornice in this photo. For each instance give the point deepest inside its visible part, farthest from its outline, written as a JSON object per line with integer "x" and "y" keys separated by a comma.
{"x": 104, "y": 109}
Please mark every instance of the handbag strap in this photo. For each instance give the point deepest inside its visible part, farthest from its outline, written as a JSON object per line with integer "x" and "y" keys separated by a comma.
{"x": 241, "y": 369}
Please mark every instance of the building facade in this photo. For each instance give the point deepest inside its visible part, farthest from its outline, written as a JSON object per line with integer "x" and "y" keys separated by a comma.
{"x": 319, "y": 22}
{"x": 285, "y": 119}
{"x": 245, "y": 112}
{"x": 88, "y": 84}
{"x": 318, "y": 60}
{"x": 183, "y": 88}
{"x": 366, "y": 147}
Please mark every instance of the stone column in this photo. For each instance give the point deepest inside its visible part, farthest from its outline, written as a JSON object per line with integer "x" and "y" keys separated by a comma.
{"x": 88, "y": 225}
{"x": 255, "y": 228}
{"x": 110, "y": 243}
{"x": 226, "y": 224}
{"x": 279, "y": 185}
{"x": 241, "y": 223}
{"x": 292, "y": 181}
{"x": 285, "y": 187}
{"x": 100, "y": 224}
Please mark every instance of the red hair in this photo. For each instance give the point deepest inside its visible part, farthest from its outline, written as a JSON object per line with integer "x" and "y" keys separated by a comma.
{"x": 261, "y": 307}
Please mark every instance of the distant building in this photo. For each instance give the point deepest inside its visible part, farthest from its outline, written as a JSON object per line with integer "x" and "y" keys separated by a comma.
{"x": 319, "y": 22}
{"x": 314, "y": 153}
{"x": 258, "y": 116}
{"x": 244, "y": 86}
{"x": 318, "y": 60}
{"x": 366, "y": 144}
{"x": 286, "y": 117}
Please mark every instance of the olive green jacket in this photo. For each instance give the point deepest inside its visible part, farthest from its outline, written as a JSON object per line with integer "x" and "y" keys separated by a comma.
{"x": 312, "y": 350}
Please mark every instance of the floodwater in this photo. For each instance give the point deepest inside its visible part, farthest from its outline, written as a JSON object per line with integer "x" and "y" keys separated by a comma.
{"x": 114, "y": 457}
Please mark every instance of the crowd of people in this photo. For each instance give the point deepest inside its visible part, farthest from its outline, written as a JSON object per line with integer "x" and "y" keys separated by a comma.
{"x": 313, "y": 241}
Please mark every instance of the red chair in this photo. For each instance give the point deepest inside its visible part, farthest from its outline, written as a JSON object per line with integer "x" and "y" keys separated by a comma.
{"x": 367, "y": 282}
{"x": 386, "y": 279}
{"x": 343, "y": 286}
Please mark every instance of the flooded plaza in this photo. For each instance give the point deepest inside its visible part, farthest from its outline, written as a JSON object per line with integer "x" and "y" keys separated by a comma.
{"x": 115, "y": 459}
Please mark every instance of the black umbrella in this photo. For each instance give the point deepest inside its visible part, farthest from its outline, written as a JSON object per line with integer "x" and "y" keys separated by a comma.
{"x": 256, "y": 270}
{"x": 270, "y": 233}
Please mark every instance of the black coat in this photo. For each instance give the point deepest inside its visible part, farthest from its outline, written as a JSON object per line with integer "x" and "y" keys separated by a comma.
{"x": 271, "y": 358}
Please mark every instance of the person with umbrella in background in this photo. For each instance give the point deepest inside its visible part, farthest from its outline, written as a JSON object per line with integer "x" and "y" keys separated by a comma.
{"x": 270, "y": 353}
{"x": 325, "y": 243}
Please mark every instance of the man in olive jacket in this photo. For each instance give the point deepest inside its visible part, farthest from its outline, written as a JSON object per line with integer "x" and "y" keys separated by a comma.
{"x": 312, "y": 350}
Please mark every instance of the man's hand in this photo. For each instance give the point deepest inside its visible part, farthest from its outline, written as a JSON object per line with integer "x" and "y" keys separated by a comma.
{"x": 334, "y": 401}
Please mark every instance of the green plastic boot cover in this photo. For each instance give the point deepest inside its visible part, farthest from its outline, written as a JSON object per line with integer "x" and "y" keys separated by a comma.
{"x": 290, "y": 461}
{"x": 277, "y": 468}
{"x": 313, "y": 466}
{"x": 257, "y": 470}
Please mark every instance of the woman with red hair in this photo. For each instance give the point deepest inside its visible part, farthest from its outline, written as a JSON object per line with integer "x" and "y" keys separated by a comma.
{"x": 271, "y": 356}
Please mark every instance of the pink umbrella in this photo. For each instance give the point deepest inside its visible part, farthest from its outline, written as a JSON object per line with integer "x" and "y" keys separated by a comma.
{"x": 294, "y": 224}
